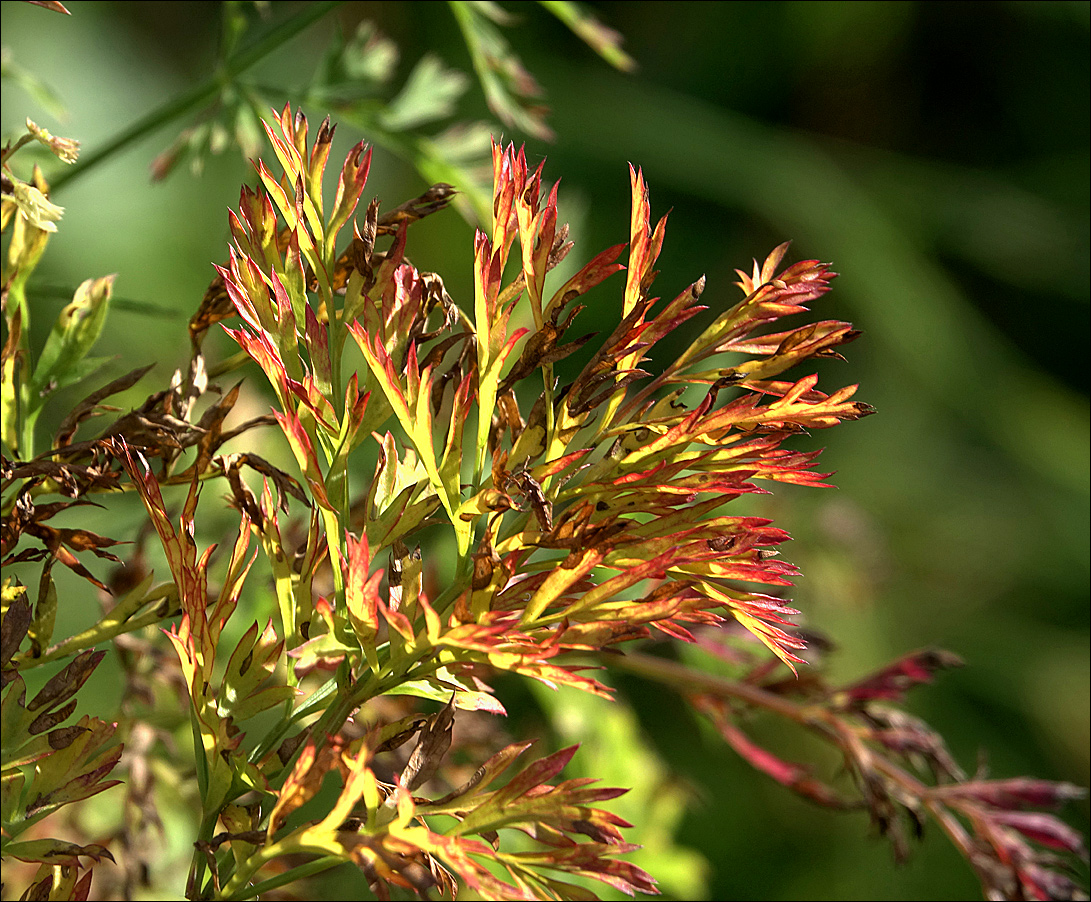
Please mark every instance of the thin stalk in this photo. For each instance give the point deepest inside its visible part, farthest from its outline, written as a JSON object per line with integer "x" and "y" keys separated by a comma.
{"x": 550, "y": 413}
{"x": 197, "y": 863}
{"x": 361, "y": 690}
{"x": 683, "y": 678}
{"x": 156, "y": 119}
{"x": 936, "y": 807}
{"x": 238, "y": 888}
{"x": 110, "y": 626}
{"x": 810, "y": 716}
{"x": 292, "y": 716}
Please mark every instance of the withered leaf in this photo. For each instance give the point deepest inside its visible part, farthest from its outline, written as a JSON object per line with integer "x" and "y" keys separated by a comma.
{"x": 65, "y": 684}
{"x": 48, "y": 719}
{"x": 483, "y": 570}
{"x": 435, "y": 740}
{"x": 63, "y": 737}
{"x": 56, "y": 540}
{"x": 543, "y": 510}
{"x": 265, "y": 420}
{"x": 396, "y": 734}
{"x": 14, "y": 628}
{"x": 491, "y": 769}
{"x": 431, "y": 201}
{"x": 56, "y": 852}
{"x": 87, "y": 406}
{"x": 210, "y": 429}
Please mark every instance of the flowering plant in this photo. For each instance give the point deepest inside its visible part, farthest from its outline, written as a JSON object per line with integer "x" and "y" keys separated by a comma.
{"x": 457, "y": 513}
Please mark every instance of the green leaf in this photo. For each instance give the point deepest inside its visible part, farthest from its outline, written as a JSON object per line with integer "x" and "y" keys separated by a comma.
{"x": 76, "y": 771}
{"x": 437, "y": 690}
{"x": 45, "y": 615}
{"x": 76, "y": 330}
{"x": 11, "y": 794}
{"x": 42, "y": 94}
{"x": 358, "y": 67}
{"x": 55, "y": 852}
{"x": 430, "y": 93}
{"x": 327, "y": 648}
{"x": 251, "y": 665}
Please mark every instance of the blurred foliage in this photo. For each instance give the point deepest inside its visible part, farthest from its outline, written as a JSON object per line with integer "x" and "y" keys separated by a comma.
{"x": 936, "y": 153}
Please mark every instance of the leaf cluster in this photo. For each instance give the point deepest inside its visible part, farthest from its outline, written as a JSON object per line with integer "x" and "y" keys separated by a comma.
{"x": 574, "y": 522}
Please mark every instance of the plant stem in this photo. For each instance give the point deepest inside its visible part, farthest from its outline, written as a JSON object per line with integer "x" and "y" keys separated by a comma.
{"x": 237, "y": 888}
{"x": 156, "y": 119}
{"x": 685, "y": 679}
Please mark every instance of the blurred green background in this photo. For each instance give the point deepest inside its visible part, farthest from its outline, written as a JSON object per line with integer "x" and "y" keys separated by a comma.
{"x": 936, "y": 153}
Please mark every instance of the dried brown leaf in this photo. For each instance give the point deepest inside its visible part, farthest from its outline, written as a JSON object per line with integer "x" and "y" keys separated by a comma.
{"x": 432, "y": 745}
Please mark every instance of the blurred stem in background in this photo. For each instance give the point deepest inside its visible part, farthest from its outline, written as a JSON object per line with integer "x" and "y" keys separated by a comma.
{"x": 191, "y": 100}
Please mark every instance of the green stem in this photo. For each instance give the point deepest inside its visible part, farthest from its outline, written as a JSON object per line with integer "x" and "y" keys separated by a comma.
{"x": 197, "y": 862}
{"x": 238, "y": 888}
{"x": 310, "y": 13}
{"x": 111, "y": 625}
{"x": 360, "y": 691}
{"x": 292, "y": 716}
{"x": 550, "y": 411}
